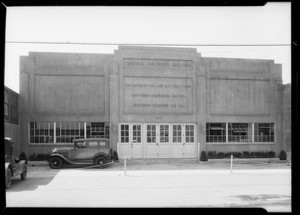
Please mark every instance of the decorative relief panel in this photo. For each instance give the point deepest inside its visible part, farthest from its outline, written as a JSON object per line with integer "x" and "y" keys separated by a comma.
{"x": 157, "y": 95}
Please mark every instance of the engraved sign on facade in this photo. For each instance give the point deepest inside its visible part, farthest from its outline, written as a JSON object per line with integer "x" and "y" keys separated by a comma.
{"x": 157, "y": 95}
{"x": 158, "y": 63}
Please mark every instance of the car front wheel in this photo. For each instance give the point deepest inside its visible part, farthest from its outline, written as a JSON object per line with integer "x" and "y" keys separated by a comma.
{"x": 8, "y": 179}
{"x": 24, "y": 173}
{"x": 55, "y": 163}
{"x": 100, "y": 161}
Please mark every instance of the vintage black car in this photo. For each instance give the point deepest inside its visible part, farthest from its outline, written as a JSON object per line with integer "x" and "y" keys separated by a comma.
{"x": 13, "y": 166}
{"x": 96, "y": 151}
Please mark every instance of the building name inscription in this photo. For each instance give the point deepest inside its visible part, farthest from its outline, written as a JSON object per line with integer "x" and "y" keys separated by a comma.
{"x": 158, "y": 63}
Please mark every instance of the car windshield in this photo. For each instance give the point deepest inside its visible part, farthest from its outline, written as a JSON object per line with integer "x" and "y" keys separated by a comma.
{"x": 80, "y": 144}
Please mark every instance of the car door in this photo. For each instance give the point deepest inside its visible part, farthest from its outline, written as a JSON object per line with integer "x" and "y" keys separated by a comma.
{"x": 80, "y": 152}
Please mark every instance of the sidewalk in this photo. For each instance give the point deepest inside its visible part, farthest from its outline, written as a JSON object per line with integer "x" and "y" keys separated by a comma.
{"x": 189, "y": 164}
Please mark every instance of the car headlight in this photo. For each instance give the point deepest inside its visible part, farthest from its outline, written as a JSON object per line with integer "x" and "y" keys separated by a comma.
{"x": 54, "y": 150}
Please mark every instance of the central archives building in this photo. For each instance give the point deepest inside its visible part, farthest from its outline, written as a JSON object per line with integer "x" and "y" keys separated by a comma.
{"x": 151, "y": 102}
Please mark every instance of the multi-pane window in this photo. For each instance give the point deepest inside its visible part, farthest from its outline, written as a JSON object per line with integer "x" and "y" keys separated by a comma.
{"x": 164, "y": 133}
{"x": 136, "y": 129}
{"x": 97, "y": 129}
{"x": 189, "y": 133}
{"x": 239, "y": 132}
{"x": 151, "y": 133}
{"x": 124, "y": 133}
{"x": 41, "y": 132}
{"x": 216, "y": 132}
{"x": 263, "y": 132}
{"x": 67, "y": 131}
{"x": 177, "y": 133}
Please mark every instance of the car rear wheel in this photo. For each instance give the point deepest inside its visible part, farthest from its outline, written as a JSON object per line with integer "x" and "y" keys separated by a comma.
{"x": 55, "y": 163}
{"x": 8, "y": 179}
{"x": 24, "y": 173}
{"x": 100, "y": 161}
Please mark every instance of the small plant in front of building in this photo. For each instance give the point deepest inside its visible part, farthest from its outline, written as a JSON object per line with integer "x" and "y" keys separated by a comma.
{"x": 32, "y": 157}
{"x": 211, "y": 154}
{"x": 271, "y": 154}
{"x": 221, "y": 155}
{"x": 203, "y": 156}
{"x": 282, "y": 155}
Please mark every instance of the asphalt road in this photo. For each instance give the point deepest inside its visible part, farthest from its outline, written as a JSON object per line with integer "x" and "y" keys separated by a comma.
{"x": 44, "y": 187}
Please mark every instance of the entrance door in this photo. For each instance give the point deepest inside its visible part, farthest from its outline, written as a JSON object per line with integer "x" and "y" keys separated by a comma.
{"x": 183, "y": 141}
{"x": 189, "y": 145}
{"x": 152, "y": 149}
{"x": 131, "y": 140}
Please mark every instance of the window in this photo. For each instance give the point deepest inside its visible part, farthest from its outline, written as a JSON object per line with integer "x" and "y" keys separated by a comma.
{"x": 215, "y": 132}
{"x": 239, "y": 132}
{"x": 263, "y": 132}
{"x": 41, "y": 132}
{"x": 189, "y": 133}
{"x": 67, "y": 131}
{"x": 164, "y": 133}
{"x": 97, "y": 129}
{"x": 80, "y": 144}
{"x": 124, "y": 133}
{"x": 151, "y": 133}
{"x": 136, "y": 129}
{"x": 93, "y": 144}
{"x": 177, "y": 133}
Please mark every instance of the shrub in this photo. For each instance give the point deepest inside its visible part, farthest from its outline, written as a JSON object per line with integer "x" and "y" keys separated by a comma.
{"x": 282, "y": 155}
{"x": 203, "y": 156}
{"x": 246, "y": 154}
{"x": 220, "y": 155}
{"x": 211, "y": 154}
{"x": 32, "y": 157}
{"x": 271, "y": 154}
{"x": 237, "y": 154}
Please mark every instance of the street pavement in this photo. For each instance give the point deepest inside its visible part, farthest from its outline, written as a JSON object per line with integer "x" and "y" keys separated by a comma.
{"x": 157, "y": 184}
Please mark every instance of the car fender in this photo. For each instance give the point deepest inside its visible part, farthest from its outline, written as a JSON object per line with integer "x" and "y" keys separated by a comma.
{"x": 19, "y": 167}
{"x": 60, "y": 156}
{"x": 102, "y": 154}
{"x": 9, "y": 166}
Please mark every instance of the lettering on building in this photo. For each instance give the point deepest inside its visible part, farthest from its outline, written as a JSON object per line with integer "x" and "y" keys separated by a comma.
{"x": 157, "y": 63}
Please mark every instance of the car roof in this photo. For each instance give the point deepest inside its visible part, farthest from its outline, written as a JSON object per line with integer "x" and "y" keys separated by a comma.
{"x": 91, "y": 139}
{"x": 9, "y": 139}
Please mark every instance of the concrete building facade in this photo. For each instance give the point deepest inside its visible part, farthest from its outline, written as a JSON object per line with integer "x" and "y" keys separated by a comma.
{"x": 152, "y": 102}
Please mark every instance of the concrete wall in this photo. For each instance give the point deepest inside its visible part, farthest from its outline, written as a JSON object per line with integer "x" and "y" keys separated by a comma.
{"x": 62, "y": 87}
{"x": 151, "y": 85}
{"x": 242, "y": 90}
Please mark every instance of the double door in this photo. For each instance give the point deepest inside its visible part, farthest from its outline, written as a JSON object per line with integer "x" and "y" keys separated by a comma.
{"x": 152, "y": 140}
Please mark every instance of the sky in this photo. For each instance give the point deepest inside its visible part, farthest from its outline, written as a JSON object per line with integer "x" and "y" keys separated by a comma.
{"x": 214, "y": 31}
